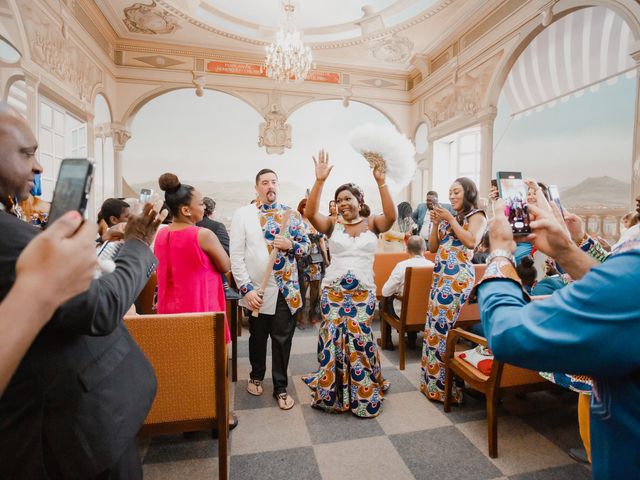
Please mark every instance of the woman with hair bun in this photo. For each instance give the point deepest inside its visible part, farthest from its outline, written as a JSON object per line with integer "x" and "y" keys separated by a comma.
{"x": 191, "y": 260}
{"x": 349, "y": 375}
{"x": 452, "y": 239}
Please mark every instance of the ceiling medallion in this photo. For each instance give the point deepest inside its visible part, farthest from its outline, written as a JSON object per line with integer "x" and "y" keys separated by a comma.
{"x": 391, "y": 49}
{"x": 288, "y": 59}
{"x": 149, "y": 19}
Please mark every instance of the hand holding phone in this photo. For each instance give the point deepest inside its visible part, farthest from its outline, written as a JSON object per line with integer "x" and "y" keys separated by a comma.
{"x": 513, "y": 190}
{"x": 145, "y": 195}
{"x": 555, "y": 196}
{"x": 72, "y": 187}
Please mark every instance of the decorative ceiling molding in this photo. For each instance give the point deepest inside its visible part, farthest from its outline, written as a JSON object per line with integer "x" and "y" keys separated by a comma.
{"x": 159, "y": 61}
{"x": 149, "y": 19}
{"x": 57, "y": 54}
{"x": 391, "y": 49}
{"x": 318, "y": 45}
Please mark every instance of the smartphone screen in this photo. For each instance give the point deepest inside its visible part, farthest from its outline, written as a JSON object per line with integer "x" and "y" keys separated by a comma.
{"x": 72, "y": 188}
{"x": 555, "y": 196}
{"x": 145, "y": 195}
{"x": 513, "y": 191}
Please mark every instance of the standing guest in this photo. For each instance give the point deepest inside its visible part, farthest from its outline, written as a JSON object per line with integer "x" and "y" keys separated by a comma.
{"x": 115, "y": 213}
{"x": 395, "y": 284}
{"x": 191, "y": 260}
{"x": 78, "y": 398}
{"x": 333, "y": 210}
{"x": 396, "y": 238}
{"x": 311, "y": 270}
{"x": 580, "y": 328}
{"x": 59, "y": 264}
{"x": 349, "y": 376}
{"x": 421, "y": 214}
{"x": 216, "y": 227}
{"x": 453, "y": 239}
{"x": 631, "y": 224}
{"x": 256, "y": 230}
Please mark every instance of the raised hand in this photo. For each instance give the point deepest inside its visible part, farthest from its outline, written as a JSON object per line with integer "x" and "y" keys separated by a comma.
{"x": 379, "y": 176}
{"x": 144, "y": 226}
{"x": 323, "y": 169}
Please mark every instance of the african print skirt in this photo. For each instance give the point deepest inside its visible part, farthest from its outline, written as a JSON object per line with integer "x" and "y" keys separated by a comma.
{"x": 349, "y": 375}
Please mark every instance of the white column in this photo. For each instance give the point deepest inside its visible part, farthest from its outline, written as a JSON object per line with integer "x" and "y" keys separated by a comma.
{"x": 32, "y": 83}
{"x": 120, "y": 137}
{"x": 486, "y": 151}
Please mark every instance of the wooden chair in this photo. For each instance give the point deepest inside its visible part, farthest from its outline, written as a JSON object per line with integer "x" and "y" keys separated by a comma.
{"x": 415, "y": 303}
{"x": 189, "y": 355}
{"x": 503, "y": 378}
{"x": 144, "y": 302}
{"x": 383, "y": 266}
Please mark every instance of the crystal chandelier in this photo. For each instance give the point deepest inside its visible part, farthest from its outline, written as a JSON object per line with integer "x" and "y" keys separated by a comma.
{"x": 288, "y": 60}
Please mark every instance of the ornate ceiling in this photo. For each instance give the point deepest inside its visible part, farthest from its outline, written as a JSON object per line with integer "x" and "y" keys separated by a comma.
{"x": 380, "y": 34}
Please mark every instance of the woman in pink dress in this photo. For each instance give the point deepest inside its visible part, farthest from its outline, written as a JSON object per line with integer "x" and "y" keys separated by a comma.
{"x": 191, "y": 260}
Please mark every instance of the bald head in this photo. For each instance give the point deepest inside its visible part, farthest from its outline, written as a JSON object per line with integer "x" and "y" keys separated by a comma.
{"x": 415, "y": 245}
{"x": 18, "y": 163}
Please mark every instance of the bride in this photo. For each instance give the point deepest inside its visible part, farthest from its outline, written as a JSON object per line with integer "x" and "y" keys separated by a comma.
{"x": 349, "y": 375}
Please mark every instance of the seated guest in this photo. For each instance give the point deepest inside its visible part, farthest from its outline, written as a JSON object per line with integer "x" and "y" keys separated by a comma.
{"x": 581, "y": 328}
{"x": 114, "y": 211}
{"x": 527, "y": 273}
{"x": 481, "y": 252}
{"x": 395, "y": 284}
{"x": 551, "y": 282}
{"x": 216, "y": 227}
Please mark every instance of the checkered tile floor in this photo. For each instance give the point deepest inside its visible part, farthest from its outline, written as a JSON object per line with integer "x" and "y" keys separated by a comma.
{"x": 411, "y": 438}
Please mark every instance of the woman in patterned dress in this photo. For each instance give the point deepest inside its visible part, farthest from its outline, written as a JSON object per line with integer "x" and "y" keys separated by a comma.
{"x": 349, "y": 375}
{"x": 453, "y": 240}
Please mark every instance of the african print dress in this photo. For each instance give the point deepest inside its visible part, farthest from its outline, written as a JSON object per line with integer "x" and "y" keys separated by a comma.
{"x": 453, "y": 279}
{"x": 349, "y": 375}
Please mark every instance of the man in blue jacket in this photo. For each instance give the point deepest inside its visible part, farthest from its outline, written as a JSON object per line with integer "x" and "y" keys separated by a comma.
{"x": 584, "y": 328}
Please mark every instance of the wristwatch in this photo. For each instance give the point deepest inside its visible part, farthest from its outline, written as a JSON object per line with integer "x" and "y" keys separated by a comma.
{"x": 499, "y": 252}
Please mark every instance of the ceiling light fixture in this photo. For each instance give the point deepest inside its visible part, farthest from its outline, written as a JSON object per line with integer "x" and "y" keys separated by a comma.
{"x": 288, "y": 59}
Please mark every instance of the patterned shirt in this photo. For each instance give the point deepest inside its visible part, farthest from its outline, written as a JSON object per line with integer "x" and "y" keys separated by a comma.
{"x": 285, "y": 269}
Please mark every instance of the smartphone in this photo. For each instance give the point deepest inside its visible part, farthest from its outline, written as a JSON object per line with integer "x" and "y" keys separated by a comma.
{"x": 555, "y": 196}
{"x": 514, "y": 191}
{"x": 145, "y": 195}
{"x": 72, "y": 188}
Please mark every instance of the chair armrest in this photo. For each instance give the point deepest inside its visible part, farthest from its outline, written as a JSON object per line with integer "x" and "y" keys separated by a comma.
{"x": 455, "y": 334}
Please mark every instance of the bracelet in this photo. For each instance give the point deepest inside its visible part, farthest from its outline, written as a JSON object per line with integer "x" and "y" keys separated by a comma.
{"x": 382, "y": 186}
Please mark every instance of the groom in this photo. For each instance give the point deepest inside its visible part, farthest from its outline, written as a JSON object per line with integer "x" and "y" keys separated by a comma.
{"x": 257, "y": 229}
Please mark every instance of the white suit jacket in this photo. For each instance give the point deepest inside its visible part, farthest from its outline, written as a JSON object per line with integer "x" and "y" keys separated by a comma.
{"x": 250, "y": 256}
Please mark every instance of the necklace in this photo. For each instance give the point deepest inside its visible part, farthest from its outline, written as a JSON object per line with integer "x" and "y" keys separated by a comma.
{"x": 353, "y": 222}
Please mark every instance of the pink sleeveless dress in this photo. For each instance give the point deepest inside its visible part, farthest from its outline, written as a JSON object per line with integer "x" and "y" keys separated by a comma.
{"x": 188, "y": 282}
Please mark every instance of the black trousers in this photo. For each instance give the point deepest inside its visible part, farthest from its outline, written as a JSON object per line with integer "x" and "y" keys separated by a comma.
{"x": 411, "y": 336}
{"x": 280, "y": 327}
